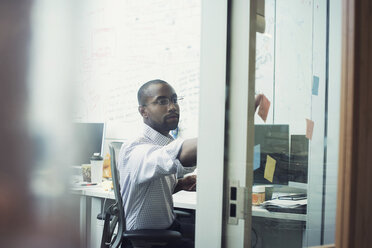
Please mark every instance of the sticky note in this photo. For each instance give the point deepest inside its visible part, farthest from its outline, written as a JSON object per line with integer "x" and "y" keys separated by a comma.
{"x": 257, "y": 157}
{"x": 269, "y": 168}
{"x": 315, "y": 85}
{"x": 309, "y": 129}
{"x": 264, "y": 108}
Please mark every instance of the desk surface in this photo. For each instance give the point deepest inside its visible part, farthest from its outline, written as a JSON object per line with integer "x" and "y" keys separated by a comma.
{"x": 182, "y": 199}
{"x": 187, "y": 200}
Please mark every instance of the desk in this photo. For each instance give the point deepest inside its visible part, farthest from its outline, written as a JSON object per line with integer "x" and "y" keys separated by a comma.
{"x": 92, "y": 198}
{"x": 187, "y": 200}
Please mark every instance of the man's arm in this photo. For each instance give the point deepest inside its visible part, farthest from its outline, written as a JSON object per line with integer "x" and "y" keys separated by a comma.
{"x": 187, "y": 154}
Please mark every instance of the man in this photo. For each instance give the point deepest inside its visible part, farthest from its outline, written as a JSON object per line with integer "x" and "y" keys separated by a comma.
{"x": 150, "y": 164}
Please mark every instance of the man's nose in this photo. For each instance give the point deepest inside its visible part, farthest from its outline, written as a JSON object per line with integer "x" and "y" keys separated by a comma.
{"x": 171, "y": 105}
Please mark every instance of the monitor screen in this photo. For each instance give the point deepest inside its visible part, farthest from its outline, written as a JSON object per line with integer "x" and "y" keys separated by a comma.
{"x": 88, "y": 139}
{"x": 274, "y": 142}
{"x": 299, "y": 159}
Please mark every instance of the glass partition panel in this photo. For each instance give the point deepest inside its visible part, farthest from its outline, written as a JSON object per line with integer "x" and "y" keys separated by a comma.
{"x": 296, "y": 124}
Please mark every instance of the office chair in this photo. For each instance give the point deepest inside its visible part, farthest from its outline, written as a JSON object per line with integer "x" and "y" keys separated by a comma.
{"x": 114, "y": 215}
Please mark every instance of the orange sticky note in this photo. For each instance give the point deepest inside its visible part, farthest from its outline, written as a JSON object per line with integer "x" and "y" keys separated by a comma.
{"x": 269, "y": 168}
{"x": 264, "y": 108}
{"x": 309, "y": 128}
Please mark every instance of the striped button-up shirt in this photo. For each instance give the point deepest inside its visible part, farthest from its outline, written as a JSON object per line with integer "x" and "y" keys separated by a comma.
{"x": 148, "y": 168}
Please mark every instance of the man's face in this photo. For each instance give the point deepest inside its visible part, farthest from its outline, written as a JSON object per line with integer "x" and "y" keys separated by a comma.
{"x": 162, "y": 118}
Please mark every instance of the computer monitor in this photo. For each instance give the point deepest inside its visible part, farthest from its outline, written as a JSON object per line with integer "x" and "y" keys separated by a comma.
{"x": 299, "y": 156}
{"x": 274, "y": 142}
{"x": 87, "y": 139}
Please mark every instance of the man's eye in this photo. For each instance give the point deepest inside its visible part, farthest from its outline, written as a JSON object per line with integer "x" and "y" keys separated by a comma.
{"x": 163, "y": 101}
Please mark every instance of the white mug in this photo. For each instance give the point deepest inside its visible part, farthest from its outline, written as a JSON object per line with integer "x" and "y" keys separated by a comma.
{"x": 96, "y": 168}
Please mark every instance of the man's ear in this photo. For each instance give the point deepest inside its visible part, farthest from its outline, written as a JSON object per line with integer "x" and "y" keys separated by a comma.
{"x": 142, "y": 111}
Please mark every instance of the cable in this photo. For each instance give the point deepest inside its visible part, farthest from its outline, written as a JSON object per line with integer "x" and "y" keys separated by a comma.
{"x": 255, "y": 234}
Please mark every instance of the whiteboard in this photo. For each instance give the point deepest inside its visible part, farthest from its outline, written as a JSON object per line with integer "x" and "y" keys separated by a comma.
{"x": 284, "y": 62}
{"x": 294, "y": 63}
{"x": 123, "y": 44}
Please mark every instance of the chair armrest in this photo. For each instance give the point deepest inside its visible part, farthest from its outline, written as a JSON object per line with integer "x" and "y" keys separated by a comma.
{"x": 102, "y": 217}
{"x": 183, "y": 214}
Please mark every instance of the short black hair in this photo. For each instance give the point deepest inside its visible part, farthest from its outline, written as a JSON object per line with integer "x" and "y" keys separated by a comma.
{"x": 142, "y": 92}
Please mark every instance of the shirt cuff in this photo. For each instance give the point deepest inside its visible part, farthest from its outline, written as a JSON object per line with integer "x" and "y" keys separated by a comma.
{"x": 173, "y": 149}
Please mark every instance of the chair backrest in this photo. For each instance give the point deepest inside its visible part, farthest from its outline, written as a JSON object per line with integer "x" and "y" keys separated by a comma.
{"x": 114, "y": 148}
{"x": 138, "y": 238}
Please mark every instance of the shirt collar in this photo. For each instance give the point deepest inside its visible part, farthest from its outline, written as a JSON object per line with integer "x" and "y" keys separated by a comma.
{"x": 155, "y": 136}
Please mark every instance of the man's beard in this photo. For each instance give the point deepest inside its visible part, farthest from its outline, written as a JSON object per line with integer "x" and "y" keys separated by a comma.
{"x": 170, "y": 126}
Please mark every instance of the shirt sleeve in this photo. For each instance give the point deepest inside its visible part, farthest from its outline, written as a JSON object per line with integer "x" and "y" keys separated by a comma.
{"x": 152, "y": 161}
{"x": 182, "y": 171}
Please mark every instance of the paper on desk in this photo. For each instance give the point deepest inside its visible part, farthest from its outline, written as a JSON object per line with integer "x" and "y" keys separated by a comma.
{"x": 185, "y": 196}
{"x": 269, "y": 168}
{"x": 84, "y": 185}
{"x": 264, "y": 108}
{"x": 285, "y": 203}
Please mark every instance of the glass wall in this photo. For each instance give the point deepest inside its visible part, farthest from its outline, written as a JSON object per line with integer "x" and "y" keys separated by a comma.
{"x": 296, "y": 124}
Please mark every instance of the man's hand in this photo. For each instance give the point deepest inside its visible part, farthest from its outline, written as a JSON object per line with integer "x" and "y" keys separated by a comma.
{"x": 187, "y": 183}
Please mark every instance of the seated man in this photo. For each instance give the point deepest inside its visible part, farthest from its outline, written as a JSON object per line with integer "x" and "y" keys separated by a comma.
{"x": 150, "y": 165}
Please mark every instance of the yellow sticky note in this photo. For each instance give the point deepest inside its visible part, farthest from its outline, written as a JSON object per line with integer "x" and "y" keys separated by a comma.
{"x": 269, "y": 168}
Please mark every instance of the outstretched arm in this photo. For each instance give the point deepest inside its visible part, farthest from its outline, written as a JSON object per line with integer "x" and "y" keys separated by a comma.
{"x": 187, "y": 154}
